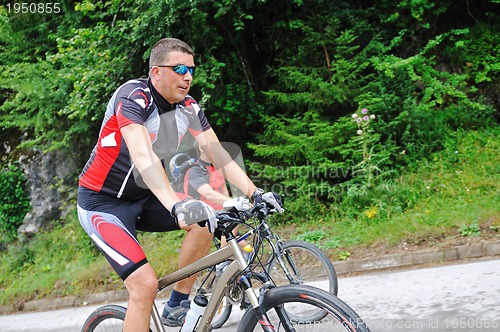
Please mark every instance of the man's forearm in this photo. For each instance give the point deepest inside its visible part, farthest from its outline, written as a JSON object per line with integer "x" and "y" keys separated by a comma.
{"x": 148, "y": 164}
{"x": 236, "y": 176}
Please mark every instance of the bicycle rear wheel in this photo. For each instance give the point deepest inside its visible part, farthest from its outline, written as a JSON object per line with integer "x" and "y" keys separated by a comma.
{"x": 222, "y": 313}
{"x": 203, "y": 284}
{"x": 304, "y": 264}
{"x": 338, "y": 315}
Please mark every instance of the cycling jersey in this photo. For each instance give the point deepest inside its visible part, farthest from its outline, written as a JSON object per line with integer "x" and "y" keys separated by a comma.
{"x": 109, "y": 169}
{"x": 200, "y": 174}
{"x": 113, "y": 202}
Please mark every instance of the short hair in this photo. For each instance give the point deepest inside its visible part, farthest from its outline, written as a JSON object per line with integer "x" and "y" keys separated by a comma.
{"x": 160, "y": 50}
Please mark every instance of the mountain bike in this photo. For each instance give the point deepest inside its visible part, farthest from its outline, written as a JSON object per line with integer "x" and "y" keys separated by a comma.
{"x": 284, "y": 262}
{"x": 270, "y": 305}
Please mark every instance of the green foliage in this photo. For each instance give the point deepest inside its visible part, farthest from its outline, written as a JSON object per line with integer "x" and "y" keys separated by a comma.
{"x": 455, "y": 189}
{"x": 303, "y": 147}
{"x": 418, "y": 99}
{"x": 285, "y": 77}
{"x": 367, "y": 168}
{"x": 37, "y": 98}
{"x": 478, "y": 54}
{"x": 422, "y": 10}
{"x": 14, "y": 202}
{"x": 343, "y": 255}
{"x": 59, "y": 96}
{"x": 48, "y": 264}
{"x": 470, "y": 230}
{"x": 319, "y": 238}
{"x": 330, "y": 244}
{"x": 312, "y": 236}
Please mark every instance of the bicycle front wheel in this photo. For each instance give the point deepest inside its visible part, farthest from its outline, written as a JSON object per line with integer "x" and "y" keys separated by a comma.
{"x": 280, "y": 300}
{"x": 108, "y": 318}
{"x": 304, "y": 264}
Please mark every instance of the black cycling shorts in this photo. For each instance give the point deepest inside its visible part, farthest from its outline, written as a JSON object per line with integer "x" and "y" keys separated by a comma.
{"x": 112, "y": 224}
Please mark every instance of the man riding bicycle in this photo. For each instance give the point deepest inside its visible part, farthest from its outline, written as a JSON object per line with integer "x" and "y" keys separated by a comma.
{"x": 123, "y": 186}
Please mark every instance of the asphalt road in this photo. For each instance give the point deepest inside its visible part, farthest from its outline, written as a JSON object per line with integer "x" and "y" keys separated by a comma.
{"x": 463, "y": 297}
{"x": 460, "y": 297}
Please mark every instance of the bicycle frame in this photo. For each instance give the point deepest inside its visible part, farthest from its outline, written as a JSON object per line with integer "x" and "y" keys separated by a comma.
{"x": 239, "y": 268}
{"x": 219, "y": 290}
{"x": 275, "y": 243}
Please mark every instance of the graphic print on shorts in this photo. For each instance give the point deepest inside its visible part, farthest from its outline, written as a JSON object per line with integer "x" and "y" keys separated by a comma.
{"x": 110, "y": 235}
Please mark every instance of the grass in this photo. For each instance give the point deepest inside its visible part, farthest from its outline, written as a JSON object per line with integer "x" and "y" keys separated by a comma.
{"x": 455, "y": 193}
{"x": 452, "y": 195}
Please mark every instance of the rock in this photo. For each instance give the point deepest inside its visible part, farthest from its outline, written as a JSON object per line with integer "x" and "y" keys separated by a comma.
{"x": 50, "y": 179}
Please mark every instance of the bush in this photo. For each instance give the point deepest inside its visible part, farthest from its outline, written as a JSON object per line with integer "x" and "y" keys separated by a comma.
{"x": 14, "y": 202}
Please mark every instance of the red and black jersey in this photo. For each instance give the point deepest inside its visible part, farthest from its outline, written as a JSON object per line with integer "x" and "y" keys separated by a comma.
{"x": 198, "y": 175}
{"x": 109, "y": 168}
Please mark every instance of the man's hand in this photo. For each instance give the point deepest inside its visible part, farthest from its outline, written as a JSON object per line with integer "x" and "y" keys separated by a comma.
{"x": 193, "y": 211}
{"x": 236, "y": 204}
{"x": 272, "y": 199}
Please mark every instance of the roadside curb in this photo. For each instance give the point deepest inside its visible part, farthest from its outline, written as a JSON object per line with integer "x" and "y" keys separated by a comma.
{"x": 415, "y": 258}
{"x": 343, "y": 268}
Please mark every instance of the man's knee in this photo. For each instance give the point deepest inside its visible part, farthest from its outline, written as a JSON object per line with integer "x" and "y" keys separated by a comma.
{"x": 142, "y": 284}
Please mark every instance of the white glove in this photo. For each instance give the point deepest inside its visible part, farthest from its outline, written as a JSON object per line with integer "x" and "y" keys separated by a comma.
{"x": 236, "y": 204}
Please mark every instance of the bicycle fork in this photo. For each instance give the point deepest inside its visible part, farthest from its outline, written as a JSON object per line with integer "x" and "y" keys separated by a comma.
{"x": 264, "y": 321}
{"x": 258, "y": 306}
{"x": 257, "y": 302}
{"x": 281, "y": 255}
{"x": 248, "y": 289}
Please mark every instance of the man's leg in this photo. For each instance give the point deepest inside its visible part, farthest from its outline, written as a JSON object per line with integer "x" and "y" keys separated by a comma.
{"x": 196, "y": 245}
{"x": 142, "y": 285}
{"x": 114, "y": 232}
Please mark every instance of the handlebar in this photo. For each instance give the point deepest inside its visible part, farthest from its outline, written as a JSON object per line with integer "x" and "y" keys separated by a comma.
{"x": 228, "y": 220}
{"x": 259, "y": 210}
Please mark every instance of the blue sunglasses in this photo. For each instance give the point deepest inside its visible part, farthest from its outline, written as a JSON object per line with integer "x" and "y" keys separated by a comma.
{"x": 181, "y": 69}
